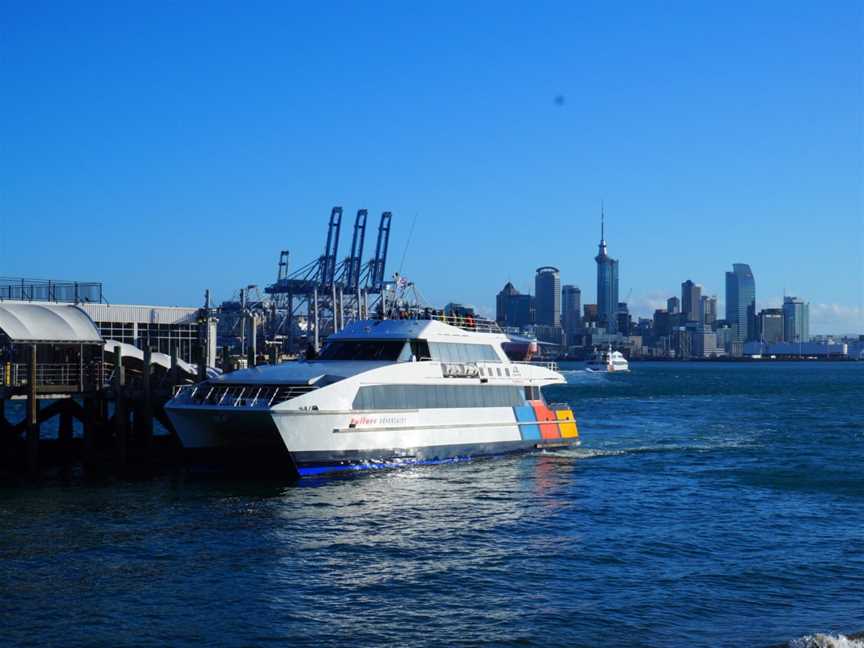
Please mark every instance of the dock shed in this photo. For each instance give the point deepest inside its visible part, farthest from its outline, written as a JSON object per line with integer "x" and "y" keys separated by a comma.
{"x": 57, "y": 343}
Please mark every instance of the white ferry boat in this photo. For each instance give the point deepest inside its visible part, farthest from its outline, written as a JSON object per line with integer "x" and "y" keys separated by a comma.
{"x": 608, "y": 361}
{"x": 381, "y": 393}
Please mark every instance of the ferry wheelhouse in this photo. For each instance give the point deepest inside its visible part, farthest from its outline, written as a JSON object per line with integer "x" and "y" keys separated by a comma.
{"x": 381, "y": 393}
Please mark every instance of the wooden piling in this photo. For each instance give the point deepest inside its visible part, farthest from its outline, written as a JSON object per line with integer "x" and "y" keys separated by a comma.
{"x": 145, "y": 409}
{"x": 226, "y": 359}
{"x": 66, "y": 432}
{"x": 121, "y": 416}
{"x": 202, "y": 362}
{"x": 5, "y": 437}
{"x": 91, "y": 412}
{"x": 174, "y": 367}
{"x": 32, "y": 416}
{"x": 252, "y": 350}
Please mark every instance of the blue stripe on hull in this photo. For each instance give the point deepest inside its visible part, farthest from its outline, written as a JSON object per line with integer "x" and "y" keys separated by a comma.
{"x": 524, "y": 414}
{"x": 311, "y": 471}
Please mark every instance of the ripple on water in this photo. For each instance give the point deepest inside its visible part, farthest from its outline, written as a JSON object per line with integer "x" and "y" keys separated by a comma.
{"x": 707, "y": 505}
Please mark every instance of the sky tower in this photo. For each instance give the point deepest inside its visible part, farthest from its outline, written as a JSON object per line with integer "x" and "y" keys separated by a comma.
{"x": 607, "y": 282}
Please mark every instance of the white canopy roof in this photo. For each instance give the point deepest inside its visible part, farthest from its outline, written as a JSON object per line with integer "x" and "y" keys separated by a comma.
{"x": 161, "y": 359}
{"x": 57, "y": 323}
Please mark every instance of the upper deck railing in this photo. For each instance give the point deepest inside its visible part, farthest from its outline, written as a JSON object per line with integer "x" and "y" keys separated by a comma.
{"x": 464, "y": 322}
{"x": 551, "y": 366}
{"x": 227, "y": 395}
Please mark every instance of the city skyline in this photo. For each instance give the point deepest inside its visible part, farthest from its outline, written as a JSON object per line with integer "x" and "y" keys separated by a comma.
{"x": 139, "y": 142}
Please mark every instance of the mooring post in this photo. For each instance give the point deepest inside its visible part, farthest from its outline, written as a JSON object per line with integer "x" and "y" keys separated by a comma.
{"x": 145, "y": 411}
{"x": 89, "y": 423}
{"x": 4, "y": 425}
{"x": 202, "y": 362}
{"x": 32, "y": 416}
{"x": 65, "y": 432}
{"x": 226, "y": 360}
{"x": 252, "y": 350}
{"x": 174, "y": 368}
{"x": 120, "y": 411}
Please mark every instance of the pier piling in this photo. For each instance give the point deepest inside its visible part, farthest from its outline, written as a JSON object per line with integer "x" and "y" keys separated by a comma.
{"x": 202, "y": 362}
{"x": 32, "y": 416}
{"x": 66, "y": 431}
{"x": 89, "y": 423}
{"x": 121, "y": 416}
{"x": 145, "y": 408}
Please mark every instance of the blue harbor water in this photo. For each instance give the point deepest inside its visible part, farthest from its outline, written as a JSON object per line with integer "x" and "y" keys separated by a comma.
{"x": 709, "y": 505}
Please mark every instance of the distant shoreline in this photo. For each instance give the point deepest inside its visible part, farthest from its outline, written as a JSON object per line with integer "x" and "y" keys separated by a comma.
{"x": 730, "y": 360}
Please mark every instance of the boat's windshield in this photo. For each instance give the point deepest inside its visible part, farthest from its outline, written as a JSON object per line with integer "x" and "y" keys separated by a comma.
{"x": 380, "y": 350}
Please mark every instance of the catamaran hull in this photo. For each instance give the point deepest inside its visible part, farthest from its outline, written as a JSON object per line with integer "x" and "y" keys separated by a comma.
{"x": 217, "y": 428}
{"x": 333, "y": 442}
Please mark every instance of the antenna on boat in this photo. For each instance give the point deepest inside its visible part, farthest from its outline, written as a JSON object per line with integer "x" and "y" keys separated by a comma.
{"x": 408, "y": 242}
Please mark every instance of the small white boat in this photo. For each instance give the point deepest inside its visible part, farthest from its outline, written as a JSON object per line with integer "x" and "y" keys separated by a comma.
{"x": 608, "y": 361}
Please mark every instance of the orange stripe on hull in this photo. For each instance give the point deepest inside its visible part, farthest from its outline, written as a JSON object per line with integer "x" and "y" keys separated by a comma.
{"x": 547, "y": 419}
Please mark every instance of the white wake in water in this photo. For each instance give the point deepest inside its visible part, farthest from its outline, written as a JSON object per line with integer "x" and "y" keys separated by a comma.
{"x": 826, "y": 641}
{"x": 583, "y": 452}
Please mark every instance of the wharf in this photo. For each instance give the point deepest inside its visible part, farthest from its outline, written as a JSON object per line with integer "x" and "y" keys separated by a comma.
{"x": 54, "y": 360}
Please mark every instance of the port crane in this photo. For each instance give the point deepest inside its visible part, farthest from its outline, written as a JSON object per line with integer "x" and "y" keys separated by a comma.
{"x": 325, "y": 294}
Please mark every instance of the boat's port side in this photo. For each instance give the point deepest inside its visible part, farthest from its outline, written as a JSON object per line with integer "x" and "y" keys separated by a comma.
{"x": 320, "y": 441}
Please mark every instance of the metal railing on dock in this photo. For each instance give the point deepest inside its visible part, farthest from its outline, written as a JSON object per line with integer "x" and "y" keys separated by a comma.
{"x": 64, "y": 376}
{"x": 21, "y": 289}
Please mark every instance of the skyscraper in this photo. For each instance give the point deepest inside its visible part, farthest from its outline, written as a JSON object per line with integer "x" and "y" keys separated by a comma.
{"x": 673, "y": 305}
{"x": 796, "y": 320}
{"x": 513, "y": 308}
{"x": 769, "y": 325}
{"x": 691, "y": 301}
{"x": 571, "y": 309}
{"x": 741, "y": 302}
{"x": 547, "y": 296}
{"x": 607, "y": 283}
{"x": 708, "y": 310}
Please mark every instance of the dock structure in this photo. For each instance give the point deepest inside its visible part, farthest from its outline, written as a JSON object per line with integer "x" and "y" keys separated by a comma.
{"x": 53, "y": 358}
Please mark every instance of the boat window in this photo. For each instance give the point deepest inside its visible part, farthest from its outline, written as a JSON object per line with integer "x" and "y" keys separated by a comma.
{"x": 420, "y": 349}
{"x": 532, "y": 393}
{"x": 459, "y": 352}
{"x": 372, "y": 397}
{"x": 380, "y": 350}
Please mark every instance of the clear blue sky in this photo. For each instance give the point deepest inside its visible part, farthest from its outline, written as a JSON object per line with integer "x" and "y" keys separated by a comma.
{"x": 165, "y": 148}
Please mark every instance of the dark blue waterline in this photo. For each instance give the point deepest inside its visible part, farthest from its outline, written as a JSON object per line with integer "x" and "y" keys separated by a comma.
{"x": 309, "y": 471}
